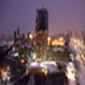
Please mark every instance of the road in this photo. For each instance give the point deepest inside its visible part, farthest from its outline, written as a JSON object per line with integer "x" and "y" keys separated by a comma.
{"x": 80, "y": 62}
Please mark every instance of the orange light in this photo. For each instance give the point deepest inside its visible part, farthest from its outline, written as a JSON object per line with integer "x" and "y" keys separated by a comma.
{"x": 55, "y": 42}
{"x": 2, "y": 70}
{"x": 3, "y": 74}
{"x": 12, "y": 43}
{"x": 22, "y": 60}
{"x": 45, "y": 72}
{"x": 61, "y": 39}
{"x": 71, "y": 39}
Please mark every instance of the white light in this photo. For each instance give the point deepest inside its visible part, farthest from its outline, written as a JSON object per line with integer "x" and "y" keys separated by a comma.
{"x": 49, "y": 62}
{"x": 8, "y": 78}
{"x": 34, "y": 56}
{"x": 70, "y": 75}
{"x": 41, "y": 64}
{"x": 33, "y": 64}
{"x": 71, "y": 64}
{"x": 31, "y": 36}
{"x": 16, "y": 54}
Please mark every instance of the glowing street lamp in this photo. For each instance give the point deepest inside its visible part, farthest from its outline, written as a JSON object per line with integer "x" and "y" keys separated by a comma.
{"x": 30, "y": 36}
{"x": 22, "y": 60}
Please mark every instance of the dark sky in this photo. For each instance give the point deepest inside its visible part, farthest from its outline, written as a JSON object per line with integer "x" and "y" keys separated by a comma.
{"x": 64, "y": 15}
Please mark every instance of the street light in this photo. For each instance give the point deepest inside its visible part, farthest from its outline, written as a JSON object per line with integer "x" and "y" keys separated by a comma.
{"x": 30, "y": 36}
{"x": 22, "y": 60}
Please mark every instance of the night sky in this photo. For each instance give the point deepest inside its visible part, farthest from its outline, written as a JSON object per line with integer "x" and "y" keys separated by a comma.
{"x": 64, "y": 15}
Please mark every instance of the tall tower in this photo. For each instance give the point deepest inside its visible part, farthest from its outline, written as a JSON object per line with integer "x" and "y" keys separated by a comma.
{"x": 15, "y": 37}
{"x": 41, "y": 32}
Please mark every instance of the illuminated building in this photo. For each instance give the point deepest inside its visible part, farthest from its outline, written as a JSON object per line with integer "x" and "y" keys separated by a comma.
{"x": 14, "y": 37}
{"x": 41, "y": 32}
{"x": 56, "y": 41}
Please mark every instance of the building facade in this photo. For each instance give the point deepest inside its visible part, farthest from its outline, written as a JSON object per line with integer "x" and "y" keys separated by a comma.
{"x": 41, "y": 32}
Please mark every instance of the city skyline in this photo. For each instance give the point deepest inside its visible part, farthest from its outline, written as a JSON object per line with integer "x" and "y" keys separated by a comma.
{"x": 64, "y": 15}
{"x": 42, "y": 42}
